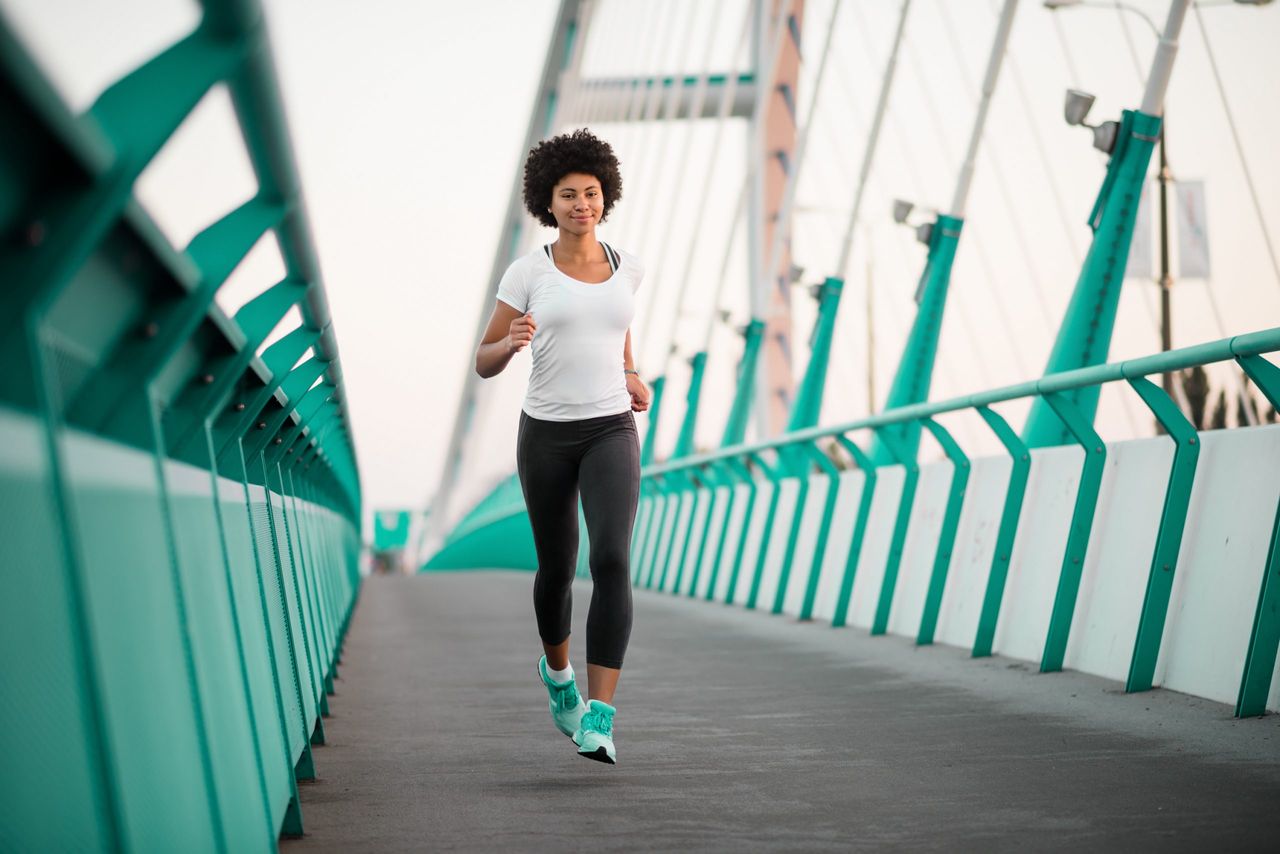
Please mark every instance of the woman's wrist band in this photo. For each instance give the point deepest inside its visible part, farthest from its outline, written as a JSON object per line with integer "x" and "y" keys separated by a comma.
{"x": 629, "y": 371}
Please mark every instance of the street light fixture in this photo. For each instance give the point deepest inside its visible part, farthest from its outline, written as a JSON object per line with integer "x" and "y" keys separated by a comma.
{"x": 1077, "y": 107}
{"x": 901, "y": 213}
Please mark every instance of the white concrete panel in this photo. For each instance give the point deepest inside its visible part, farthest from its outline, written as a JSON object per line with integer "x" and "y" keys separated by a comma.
{"x": 650, "y": 534}
{"x": 842, "y": 521}
{"x": 1219, "y": 572}
{"x": 974, "y": 551}
{"x": 1114, "y": 581}
{"x": 715, "y": 524}
{"x": 637, "y": 535}
{"x": 670, "y": 571}
{"x": 666, "y": 527}
{"x": 771, "y": 570}
{"x": 736, "y": 521}
{"x": 875, "y": 546}
{"x": 702, "y": 504}
{"x": 1037, "y": 552}
{"x": 755, "y": 535}
{"x": 806, "y": 542}
{"x": 920, "y": 548}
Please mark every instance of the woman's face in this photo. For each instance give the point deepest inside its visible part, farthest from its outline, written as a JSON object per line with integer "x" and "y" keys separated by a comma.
{"x": 577, "y": 203}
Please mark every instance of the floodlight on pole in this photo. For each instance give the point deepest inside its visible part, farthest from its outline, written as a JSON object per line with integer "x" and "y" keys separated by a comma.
{"x": 1077, "y": 106}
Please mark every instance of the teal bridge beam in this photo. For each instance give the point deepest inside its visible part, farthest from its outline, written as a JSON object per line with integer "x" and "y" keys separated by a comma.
{"x": 1085, "y": 335}
{"x": 187, "y": 558}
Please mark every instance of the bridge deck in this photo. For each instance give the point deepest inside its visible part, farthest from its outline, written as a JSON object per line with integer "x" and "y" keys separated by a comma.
{"x": 762, "y": 734}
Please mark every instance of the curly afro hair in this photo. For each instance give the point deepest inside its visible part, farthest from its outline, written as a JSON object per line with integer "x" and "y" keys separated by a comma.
{"x": 550, "y": 160}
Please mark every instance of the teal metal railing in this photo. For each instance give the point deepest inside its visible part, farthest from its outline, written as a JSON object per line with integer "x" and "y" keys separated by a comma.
{"x": 775, "y": 461}
{"x": 181, "y": 505}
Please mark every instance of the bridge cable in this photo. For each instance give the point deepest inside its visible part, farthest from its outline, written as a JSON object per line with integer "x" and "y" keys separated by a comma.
{"x": 940, "y": 131}
{"x": 696, "y": 106}
{"x": 1002, "y": 182}
{"x": 1235, "y": 138}
{"x": 666, "y": 113}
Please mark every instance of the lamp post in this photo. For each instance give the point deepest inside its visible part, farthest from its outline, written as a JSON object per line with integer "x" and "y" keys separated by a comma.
{"x": 1164, "y": 176}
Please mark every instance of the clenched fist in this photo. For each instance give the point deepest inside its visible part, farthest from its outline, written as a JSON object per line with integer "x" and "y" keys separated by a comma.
{"x": 521, "y": 333}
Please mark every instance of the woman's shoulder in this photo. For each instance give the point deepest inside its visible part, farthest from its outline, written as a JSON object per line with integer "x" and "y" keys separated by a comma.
{"x": 629, "y": 260}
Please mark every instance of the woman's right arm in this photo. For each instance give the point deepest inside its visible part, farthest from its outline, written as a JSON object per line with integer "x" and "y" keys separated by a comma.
{"x": 508, "y": 333}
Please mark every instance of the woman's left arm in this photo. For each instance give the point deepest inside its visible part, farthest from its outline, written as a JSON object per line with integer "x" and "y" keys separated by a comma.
{"x": 635, "y": 386}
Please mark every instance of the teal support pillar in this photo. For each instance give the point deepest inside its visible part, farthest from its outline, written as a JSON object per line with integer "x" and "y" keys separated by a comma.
{"x": 735, "y": 431}
{"x": 1173, "y": 521}
{"x": 889, "y": 584}
{"x": 808, "y": 404}
{"x": 915, "y": 371}
{"x": 1085, "y": 335}
{"x": 1264, "y": 637}
{"x": 655, "y": 412}
{"x": 1020, "y": 458}
{"x": 1064, "y": 600}
{"x": 684, "y": 442}
{"x": 947, "y": 536}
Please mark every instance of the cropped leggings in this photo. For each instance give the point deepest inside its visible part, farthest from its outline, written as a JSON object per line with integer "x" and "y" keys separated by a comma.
{"x": 598, "y": 458}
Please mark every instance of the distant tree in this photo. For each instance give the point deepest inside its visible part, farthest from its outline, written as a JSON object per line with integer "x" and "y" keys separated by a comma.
{"x": 837, "y": 455}
{"x": 1246, "y": 408}
{"x": 1195, "y": 385}
{"x": 1219, "y": 419}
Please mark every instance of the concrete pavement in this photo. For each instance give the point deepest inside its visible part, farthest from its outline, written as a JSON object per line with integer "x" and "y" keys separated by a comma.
{"x": 742, "y": 731}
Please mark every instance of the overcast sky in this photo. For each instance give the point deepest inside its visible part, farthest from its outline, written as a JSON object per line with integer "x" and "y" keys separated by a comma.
{"x": 407, "y": 118}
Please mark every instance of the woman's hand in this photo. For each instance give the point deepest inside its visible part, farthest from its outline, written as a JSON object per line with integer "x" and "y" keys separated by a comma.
{"x": 521, "y": 332}
{"x": 639, "y": 393}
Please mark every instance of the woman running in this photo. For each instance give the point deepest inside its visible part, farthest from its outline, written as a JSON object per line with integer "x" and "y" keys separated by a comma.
{"x": 571, "y": 302}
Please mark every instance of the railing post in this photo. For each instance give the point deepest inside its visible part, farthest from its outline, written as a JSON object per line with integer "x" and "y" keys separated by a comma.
{"x": 1173, "y": 520}
{"x": 824, "y": 527}
{"x": 775, "y": 475}
{"x": 734, "y": 467}
{"x": 947, "y": 536}
{"x": 712, "y": 478}
{"x": 1264, "y": 637}
{"x": 1095, "y": 458}
{"x": 800, "y": 469}
{"x": 860, "y": 458}
{"x": 1008, "y": 529}
{"x": 896, "y": 448}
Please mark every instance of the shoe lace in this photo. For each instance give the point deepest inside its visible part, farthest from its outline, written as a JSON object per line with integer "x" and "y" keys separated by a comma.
{"x": 569, "y": 698}
{"x": 600, "y": 722}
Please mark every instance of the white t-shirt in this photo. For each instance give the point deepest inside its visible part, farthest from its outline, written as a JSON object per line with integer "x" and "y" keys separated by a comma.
{"x": 582, "y": 329}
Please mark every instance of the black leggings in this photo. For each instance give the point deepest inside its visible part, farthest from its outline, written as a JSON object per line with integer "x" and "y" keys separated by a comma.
{"x": 599, "y": 457}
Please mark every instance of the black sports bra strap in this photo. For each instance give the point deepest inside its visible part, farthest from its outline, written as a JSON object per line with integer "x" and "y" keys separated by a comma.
{"x": 612, "y": 257}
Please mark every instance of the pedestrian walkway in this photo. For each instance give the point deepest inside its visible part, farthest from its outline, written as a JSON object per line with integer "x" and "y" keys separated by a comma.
{"x": 741, "y": 731}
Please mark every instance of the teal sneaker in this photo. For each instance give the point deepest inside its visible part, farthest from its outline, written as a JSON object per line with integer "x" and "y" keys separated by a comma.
{"x": 595, "y": 734}
{"x": 567, "y": 707}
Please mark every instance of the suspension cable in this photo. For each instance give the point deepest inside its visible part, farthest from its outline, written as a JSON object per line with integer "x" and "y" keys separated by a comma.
{"x": 1235, "y": 138}
{"x": 696, "y": 106}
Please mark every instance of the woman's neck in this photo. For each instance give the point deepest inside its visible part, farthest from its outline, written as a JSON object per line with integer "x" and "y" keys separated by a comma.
{"x": 578, "y": 248}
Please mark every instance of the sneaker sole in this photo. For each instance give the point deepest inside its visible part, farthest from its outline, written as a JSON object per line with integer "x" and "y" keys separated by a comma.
{"x": 599, "y": 755}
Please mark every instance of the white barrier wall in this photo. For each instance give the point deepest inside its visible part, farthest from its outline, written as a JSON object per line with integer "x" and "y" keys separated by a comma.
{"x": 1216, "y": 582}
{"x": 838, "y": 541}
{"x": 975, "y": 549}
